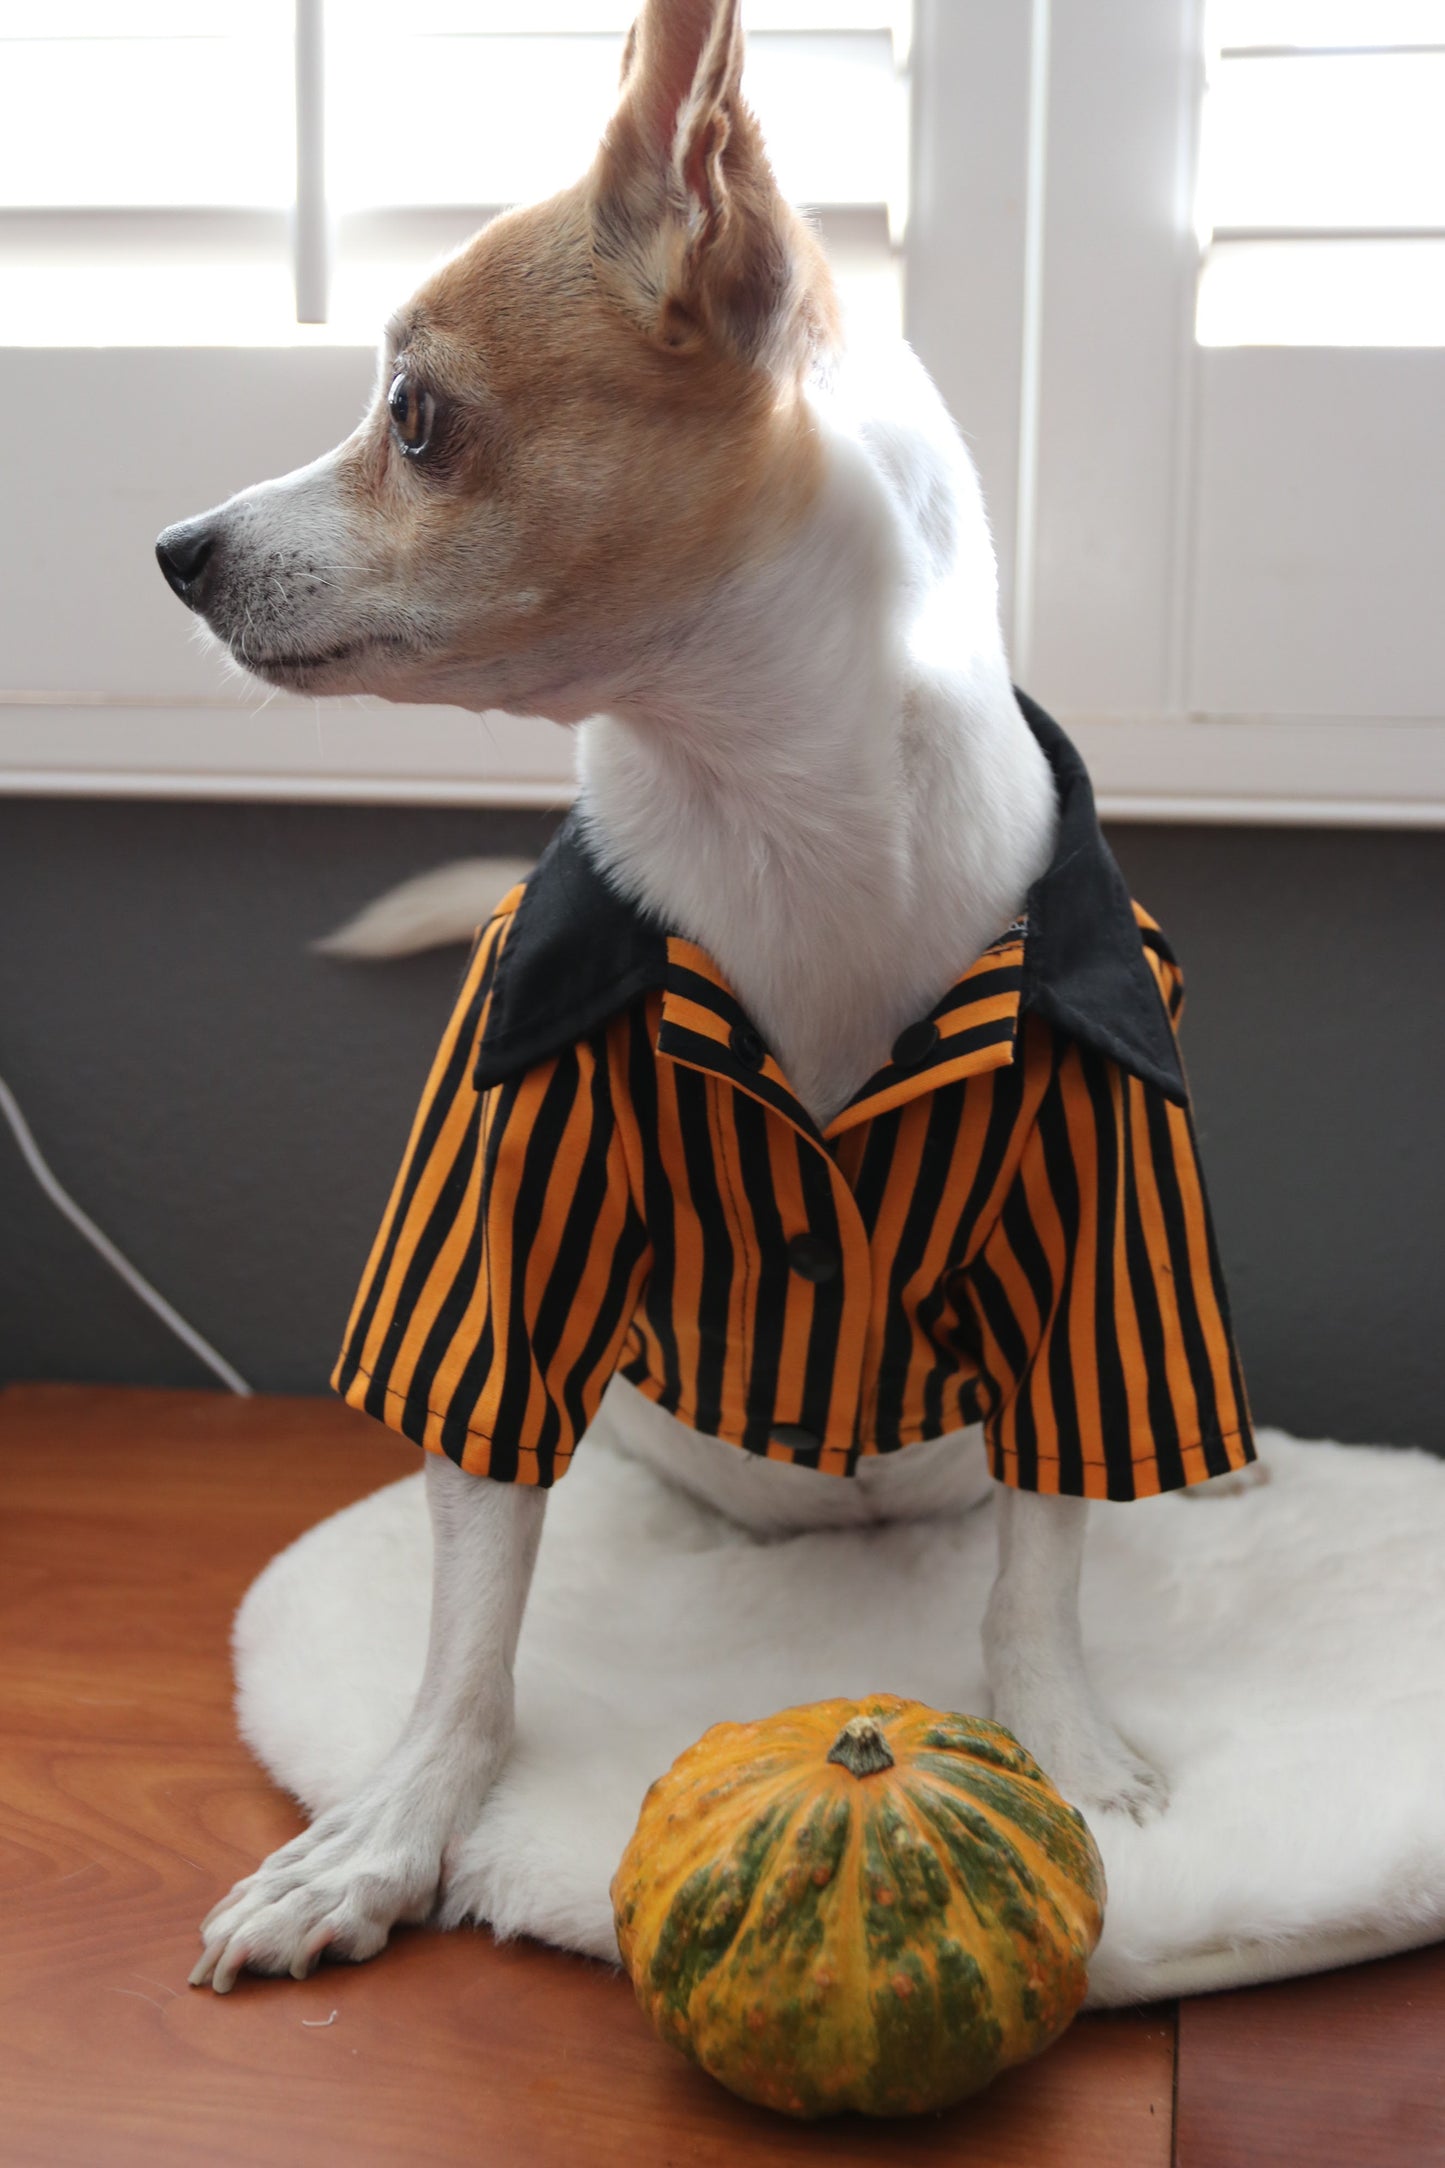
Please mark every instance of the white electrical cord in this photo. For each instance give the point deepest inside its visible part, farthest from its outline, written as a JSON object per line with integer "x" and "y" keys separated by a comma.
{"x": 101, "y": 1242}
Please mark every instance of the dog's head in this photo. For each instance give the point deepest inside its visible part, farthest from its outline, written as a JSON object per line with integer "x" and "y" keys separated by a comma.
{"x": 582, "y": 422}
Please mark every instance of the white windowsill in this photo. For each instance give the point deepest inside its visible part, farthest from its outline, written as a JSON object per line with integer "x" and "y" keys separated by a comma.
{"x": 1333, "y": 772}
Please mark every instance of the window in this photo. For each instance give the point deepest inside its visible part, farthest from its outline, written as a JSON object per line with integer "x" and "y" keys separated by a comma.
{"x": 1321, "y": 195}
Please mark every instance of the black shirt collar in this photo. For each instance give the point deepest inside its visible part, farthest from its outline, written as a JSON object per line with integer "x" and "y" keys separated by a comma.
{"x": 578, "y": 953}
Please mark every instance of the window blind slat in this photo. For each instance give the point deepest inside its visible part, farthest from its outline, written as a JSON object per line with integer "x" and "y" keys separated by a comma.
{"x": 1323, "y": 293}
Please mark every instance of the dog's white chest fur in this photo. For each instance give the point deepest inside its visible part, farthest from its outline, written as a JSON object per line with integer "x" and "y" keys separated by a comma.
{"x": 828, "y": 784}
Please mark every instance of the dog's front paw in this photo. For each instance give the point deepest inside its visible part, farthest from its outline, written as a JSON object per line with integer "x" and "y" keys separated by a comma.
{"x": 341, "y": 1886}
{"x": 1125, "y": 1784}
{"x": 1085, "y": 1758}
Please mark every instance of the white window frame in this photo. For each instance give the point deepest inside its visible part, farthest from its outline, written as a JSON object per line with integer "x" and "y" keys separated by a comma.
{"x": 1087, "y": 437}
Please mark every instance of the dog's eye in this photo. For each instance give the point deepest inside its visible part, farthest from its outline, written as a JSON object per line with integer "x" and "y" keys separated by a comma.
{"x": 413, "y": 415}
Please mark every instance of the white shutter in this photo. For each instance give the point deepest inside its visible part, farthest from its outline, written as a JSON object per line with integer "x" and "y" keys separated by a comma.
{"x": 1219, "y": 560}
{"x": 491, "y": 104}
{"x": 1322, "y": 176}
{"x": 147, "y": 168}
{"x": 107, "y": 104}
{"x": 1317, "y": 522}
{"x": 149, "y": 148}
{"x": 475, "y": 104}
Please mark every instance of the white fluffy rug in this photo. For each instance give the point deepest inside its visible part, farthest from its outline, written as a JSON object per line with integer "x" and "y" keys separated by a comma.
{"x": 1279, "y": 1653}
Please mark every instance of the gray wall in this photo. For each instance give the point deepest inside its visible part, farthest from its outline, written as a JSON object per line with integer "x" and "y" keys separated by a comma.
{"x": 231, "y": 1108}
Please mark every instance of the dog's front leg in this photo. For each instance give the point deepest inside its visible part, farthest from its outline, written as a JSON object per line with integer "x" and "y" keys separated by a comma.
{"x": 344, "y": 1883}
{"x": 1034, "y": 1654}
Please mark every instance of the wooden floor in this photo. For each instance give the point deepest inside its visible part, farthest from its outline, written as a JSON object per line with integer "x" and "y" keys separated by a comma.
{"x": 131, "y": 1523}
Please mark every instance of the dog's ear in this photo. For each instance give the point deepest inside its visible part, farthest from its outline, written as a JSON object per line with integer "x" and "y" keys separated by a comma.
{"x": 689, "y": 228}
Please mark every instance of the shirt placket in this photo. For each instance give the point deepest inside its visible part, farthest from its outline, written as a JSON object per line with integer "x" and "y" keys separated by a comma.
{"x": 814, "y": 1418}
{"x": 817, "y": 1417}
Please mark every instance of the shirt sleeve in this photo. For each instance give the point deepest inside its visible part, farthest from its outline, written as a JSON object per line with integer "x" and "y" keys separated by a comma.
{"x": 1096, "y": 1306}
{"x": 509, "y": 1264}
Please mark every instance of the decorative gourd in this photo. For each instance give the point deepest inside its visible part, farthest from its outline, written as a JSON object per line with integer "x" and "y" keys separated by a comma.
{"x": 864, "y": 1905}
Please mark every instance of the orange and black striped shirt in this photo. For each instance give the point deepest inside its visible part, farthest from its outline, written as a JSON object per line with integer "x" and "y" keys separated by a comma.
{"x": 610, "y": 1173}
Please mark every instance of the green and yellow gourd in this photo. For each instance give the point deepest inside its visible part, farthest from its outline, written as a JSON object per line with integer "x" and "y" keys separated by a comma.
{"x": 865, "y": 1905}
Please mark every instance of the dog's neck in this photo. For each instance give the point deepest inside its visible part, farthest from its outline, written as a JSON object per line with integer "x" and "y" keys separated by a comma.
{"x": 825, "y": 781}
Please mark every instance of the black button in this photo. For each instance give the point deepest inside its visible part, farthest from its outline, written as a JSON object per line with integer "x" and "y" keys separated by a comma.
{"x": 813, "y": 1259}
{"x": 796, "y": 1438}
{"x": 747, "y": 1046}
{"x": 916, "y": 1044}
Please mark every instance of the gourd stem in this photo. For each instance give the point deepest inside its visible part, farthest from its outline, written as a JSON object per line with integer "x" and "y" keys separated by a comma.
{"x": 861, "y": 1747}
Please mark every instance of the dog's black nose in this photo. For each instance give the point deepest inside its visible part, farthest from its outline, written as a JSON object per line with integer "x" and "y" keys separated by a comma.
{"x": 183, "y": 552}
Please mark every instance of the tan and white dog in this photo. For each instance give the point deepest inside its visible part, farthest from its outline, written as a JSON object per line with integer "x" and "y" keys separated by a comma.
{"x": 624, "y": 471}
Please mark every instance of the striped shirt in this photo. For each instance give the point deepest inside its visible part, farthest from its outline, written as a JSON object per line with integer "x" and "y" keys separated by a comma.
{"x": 1007, "y": 1224}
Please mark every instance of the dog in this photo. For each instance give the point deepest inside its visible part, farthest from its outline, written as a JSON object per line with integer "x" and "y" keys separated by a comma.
{"x": 625, "y": 470}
